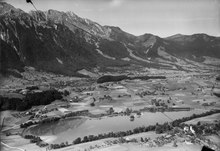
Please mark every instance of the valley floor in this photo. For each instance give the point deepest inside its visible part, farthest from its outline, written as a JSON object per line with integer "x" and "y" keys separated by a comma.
{"x": 190, "y": 90}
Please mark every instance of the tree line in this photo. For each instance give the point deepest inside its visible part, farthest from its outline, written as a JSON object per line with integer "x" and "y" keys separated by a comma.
{"x": 36, "y": 139}
{"x": 111, "y": 78}
{"x": 30, "y": 99}
{"x": 33, "y": 139}
{"x": 44, "y": 121}
{"x": 54, "y": 119}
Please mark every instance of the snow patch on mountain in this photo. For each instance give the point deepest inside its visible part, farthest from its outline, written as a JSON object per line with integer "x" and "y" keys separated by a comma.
{"x": 147, "y": 50}
{"x": 23, "y": 23}
{"x": 99, "y": 27}
{"x": 87, "y": 21}
{"x": 97, "y": 45}
{"x": 16, "y": 50}
{"x": 134, "y": 56}
{"x": 104, "y": 55}
{"x": 55, "y": 27}
{"x": 60, "y": 61}
{"x": 88, "y": 73}
{"x": 3, "y": 36}
{"x": 88, "y": 38}
{"x": 126, "y": 59}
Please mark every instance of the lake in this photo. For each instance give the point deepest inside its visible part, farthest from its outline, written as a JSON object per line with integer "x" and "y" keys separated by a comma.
{"x": 70, "y": 129}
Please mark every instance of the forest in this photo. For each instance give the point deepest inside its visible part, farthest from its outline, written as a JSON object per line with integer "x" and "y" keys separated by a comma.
{"x": 30, "y": 99}
{"x": 110, "y": 78}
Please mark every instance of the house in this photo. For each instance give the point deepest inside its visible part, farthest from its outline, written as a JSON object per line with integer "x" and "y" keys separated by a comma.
{"x": 28, "y": 113}
{"x": 192, "y": 130}
{"x": 186, "y": 129}
{"x": 168, "y": 136}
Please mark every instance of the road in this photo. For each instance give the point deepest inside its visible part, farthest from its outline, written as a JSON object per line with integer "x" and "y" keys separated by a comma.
{"x": 12, "y": 147}
{"x": 16, "y": 126}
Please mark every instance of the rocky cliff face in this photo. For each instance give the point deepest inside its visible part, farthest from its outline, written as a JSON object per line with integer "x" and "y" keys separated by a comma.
{"x": 62, "y": 42}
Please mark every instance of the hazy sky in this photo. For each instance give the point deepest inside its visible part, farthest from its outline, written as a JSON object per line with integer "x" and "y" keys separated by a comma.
{"x": 159, "y": 17}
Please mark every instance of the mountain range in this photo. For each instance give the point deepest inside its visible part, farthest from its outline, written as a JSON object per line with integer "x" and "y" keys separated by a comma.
{"x": 64, "y": 43}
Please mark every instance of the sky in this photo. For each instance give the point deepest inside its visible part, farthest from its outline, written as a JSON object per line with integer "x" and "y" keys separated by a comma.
{"x": 159, "y": 17}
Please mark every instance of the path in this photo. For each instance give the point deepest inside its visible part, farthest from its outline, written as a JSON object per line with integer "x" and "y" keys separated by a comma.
{"x": 13, "y": 147}
{"x": 8, "y": 145}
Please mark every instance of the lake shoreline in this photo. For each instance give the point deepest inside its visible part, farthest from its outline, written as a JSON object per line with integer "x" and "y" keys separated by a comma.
{"x": 95, "y": 126}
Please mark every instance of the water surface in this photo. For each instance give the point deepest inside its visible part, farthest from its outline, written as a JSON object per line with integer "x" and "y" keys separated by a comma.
{"x": 70, "y": 129}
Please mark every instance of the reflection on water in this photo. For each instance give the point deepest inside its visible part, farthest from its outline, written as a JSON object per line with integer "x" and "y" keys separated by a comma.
{"x": 57, "y": 127}
{"x": 68, "y": 130}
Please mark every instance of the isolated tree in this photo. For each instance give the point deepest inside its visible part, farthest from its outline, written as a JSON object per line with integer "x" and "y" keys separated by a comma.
{"x": 65, "y": 93}
{"x": 92, "y": 104}
{"x": 111, "y": 110}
